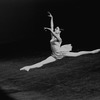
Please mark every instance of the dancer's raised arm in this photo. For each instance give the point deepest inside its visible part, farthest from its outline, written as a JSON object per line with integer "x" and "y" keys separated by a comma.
{"x": 51, "y": 21}
{"x": 53, "y": 32}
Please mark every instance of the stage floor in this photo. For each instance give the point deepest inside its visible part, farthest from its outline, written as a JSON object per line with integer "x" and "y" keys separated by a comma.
{"x": 66, "y": 79}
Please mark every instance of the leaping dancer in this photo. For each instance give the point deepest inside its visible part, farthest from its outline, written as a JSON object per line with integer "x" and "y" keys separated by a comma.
{"x": 58, "y": 51}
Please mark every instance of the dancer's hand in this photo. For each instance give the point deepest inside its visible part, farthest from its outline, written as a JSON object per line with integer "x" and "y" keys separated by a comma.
{"x": 27, "y": 68}
{"x": 50, "y": 14}
{"x": 45, "y": 28}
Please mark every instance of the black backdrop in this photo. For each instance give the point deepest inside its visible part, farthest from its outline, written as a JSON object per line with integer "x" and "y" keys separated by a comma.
{"x": 22, "y": 23}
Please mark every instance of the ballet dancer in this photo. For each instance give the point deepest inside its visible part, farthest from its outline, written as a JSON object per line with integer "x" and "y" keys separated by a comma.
{"x": 58, "y": 51}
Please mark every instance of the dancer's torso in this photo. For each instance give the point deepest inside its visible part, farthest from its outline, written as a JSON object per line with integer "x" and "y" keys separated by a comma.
{"x": 55, "y": 45}
{"x": 59, "y": 51}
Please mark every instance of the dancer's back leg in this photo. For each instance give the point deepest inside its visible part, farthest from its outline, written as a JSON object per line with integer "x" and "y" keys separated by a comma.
{"x": 75, "y": 54}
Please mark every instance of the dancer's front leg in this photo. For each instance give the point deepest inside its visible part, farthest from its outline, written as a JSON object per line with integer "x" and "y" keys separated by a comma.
{"x": 40, "y": 64}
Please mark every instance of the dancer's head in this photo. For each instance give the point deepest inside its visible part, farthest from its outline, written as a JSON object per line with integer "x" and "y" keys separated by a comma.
{"x": 57, "y": 30}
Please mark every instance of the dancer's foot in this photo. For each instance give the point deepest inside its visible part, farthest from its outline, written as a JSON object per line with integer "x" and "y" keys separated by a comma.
{"x": 96, "y": 51}
{"x": 27, "y": 68}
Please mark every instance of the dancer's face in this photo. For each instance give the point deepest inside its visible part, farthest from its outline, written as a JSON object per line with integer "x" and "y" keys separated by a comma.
{"x": 57, "y": 30}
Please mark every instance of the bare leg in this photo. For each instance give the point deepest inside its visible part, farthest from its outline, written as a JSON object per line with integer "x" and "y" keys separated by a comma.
{"x": 75, "y": 54}
{"x": 40, "y": 64}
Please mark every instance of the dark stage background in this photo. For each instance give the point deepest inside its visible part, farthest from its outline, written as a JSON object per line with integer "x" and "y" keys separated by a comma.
{"x": 24, "y": 42}
{"x": 22, "y": 25}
